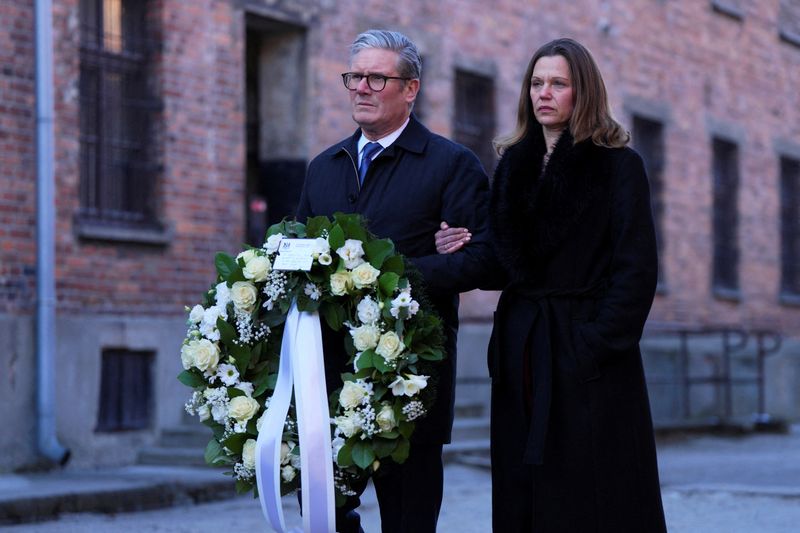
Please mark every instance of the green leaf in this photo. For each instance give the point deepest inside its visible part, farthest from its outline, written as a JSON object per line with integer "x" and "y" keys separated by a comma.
{"x": 336, "y": 238}
{"x": 400, "y": 453}
{"x": 432, "y": 355}
{"x": 226, "y": 265}
{"x": 190, "y": 379}
{"x": 345, "y": 457}
{"x": 352, "y": 226}
{"x": 406, "y": 429}
{"x": 363, "y": 456}
{"x": 235, "y": 442}
{"x": 333, "y": 314}
{"x": 390, "y": 434}
{"x": 241, "y": 354}
{"x": 394, "y": 264}
{"x": 380, "y": 363}
{"x": 384, "y": 447}
{"x": 316, "y": 225}
{"x": 233, "y": 392}
{"x": 367, "y": 359}
{"x": 227, "y": 333}
{"x": 388, "y": 283}
{"x": 377, "y": 251}
{"x": 243, "y": 486}
{"x": 213, "y": 450}
{"x": 263, "y": 382}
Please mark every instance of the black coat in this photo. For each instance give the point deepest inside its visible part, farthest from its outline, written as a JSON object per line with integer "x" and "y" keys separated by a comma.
{"x": 410, "y": 187}
{"x": 572, "y": 438}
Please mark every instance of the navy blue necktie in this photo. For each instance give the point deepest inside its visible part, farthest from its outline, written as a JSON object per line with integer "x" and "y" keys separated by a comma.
{"x": 370, "y": 149}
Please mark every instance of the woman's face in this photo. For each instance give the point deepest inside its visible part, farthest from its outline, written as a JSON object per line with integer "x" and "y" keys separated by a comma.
{"x": 552, "y": 94}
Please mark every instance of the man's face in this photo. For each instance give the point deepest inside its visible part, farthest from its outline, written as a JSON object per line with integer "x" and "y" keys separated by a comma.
{"x": 380, "y": 112}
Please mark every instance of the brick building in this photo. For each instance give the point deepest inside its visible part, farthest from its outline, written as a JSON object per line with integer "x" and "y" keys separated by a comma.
{"x": 182, "y": 128}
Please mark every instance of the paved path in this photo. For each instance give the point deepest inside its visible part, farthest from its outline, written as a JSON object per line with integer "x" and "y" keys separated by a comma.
{"x": 710, "y": 485}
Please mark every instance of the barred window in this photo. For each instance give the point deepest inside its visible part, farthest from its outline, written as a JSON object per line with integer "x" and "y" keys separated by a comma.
{"x": 726, "y": 218}
{"x": 474, "y": 124}
{"x": 125, "y": 390}
{"x": 648, "y": 136}
{"x": 116, "y": 114}
{"x": 790, "y": 227}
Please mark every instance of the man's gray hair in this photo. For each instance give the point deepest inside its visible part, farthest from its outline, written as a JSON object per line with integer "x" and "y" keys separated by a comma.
{"x": 409, "y": 66}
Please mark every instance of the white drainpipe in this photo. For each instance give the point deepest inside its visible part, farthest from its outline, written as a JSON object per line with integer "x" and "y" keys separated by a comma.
{"x": 47, "y": 442}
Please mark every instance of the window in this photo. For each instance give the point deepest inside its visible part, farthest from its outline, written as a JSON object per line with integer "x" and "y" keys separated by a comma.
{"x": 474, "y": 124}
{"x": 125, "y": 390}
{"x": 790, "y": 228}
{"x": 116, "y": 114}
{"x": 648, "y": 136}
{"x": 726, "y": 219}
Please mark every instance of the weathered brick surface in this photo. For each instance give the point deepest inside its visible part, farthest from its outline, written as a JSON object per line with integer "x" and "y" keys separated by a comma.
{"x": 702, "y": 66}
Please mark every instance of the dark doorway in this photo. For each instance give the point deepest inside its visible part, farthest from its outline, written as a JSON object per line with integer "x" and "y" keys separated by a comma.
{"x": 276, "y": 122}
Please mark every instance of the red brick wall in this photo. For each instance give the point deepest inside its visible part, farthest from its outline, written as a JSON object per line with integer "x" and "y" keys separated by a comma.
{"x": 201, "y": 186}
{"x": 17, "y": 157}
{"x": 703, "y": 66}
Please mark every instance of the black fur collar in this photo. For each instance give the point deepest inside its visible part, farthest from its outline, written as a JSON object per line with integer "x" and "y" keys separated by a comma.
{"x": 533, "y": 212}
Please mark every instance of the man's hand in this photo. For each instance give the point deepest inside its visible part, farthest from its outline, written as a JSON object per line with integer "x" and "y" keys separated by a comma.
{"x": 449, "y": 240}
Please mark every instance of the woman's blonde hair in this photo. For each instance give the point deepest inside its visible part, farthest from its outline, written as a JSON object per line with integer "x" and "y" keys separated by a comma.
{"x": 591, "y": 116}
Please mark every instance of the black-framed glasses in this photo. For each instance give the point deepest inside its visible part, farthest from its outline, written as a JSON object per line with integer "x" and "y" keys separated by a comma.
{"x": 376, "y": 82}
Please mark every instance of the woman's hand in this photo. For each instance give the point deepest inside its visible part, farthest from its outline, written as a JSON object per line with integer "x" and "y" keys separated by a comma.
{"x": 449, "y": 240}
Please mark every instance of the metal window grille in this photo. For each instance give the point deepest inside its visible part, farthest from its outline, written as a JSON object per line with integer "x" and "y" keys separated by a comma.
{"x": 125, "y": 390}
{"x": 649, "y": 138}
{"x": 790, "y": 226}
{"x": 726, "y": 217}
{"x": 474, "y": 124}
{"x": 116, "y": 113}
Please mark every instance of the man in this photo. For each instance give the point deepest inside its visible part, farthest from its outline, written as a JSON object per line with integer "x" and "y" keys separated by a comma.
{"x": 403, "y": 186}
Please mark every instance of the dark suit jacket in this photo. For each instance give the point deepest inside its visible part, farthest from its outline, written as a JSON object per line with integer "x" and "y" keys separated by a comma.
{"x": 414, "y": 184}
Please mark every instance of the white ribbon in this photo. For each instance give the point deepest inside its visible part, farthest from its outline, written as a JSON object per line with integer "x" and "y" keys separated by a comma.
{"x": 301, "y": 366}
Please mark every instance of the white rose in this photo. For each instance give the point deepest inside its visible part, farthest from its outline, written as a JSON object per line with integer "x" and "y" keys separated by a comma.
{"x": 203, "y": 412}
{"x": 389, "y": 346}
{"x": 196, "y": 314}
{"x": 223, "y": 295}
{"x": 351, "y": 395}
{"x": 368, "y": 311}
{"x": 347, "y": 425}
{"x": 352, "y": 252}
{"x": 364, "y": 275}
{"x": 288, "y": 473}
{"x": 187, "y": 357}
{"x": 246, "y": 387}
{"x": 247, "y": 256}
{"x": 325, "y": 259}
{"x": 321, "y": 246}
{"x": 398, "y": 386}
{"x": 336, "y": 445}
{"x": 257, "y": 269}
{"x": 242, "y": 408}
{"x": 204, "y": 354}
{"x": 365, "y": 337}
{"x": 414, "y": 384}
{"x": 208, "y": 326}
{"x": 385, "y": 418}
{"x": 249, "y": 454}
{"x": 340, "y": 283}
{"x": 244, "y": 294}
{"x": 272, "y": 242}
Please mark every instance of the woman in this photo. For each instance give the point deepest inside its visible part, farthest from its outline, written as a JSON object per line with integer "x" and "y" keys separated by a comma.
{"x": 572, "y": 437}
